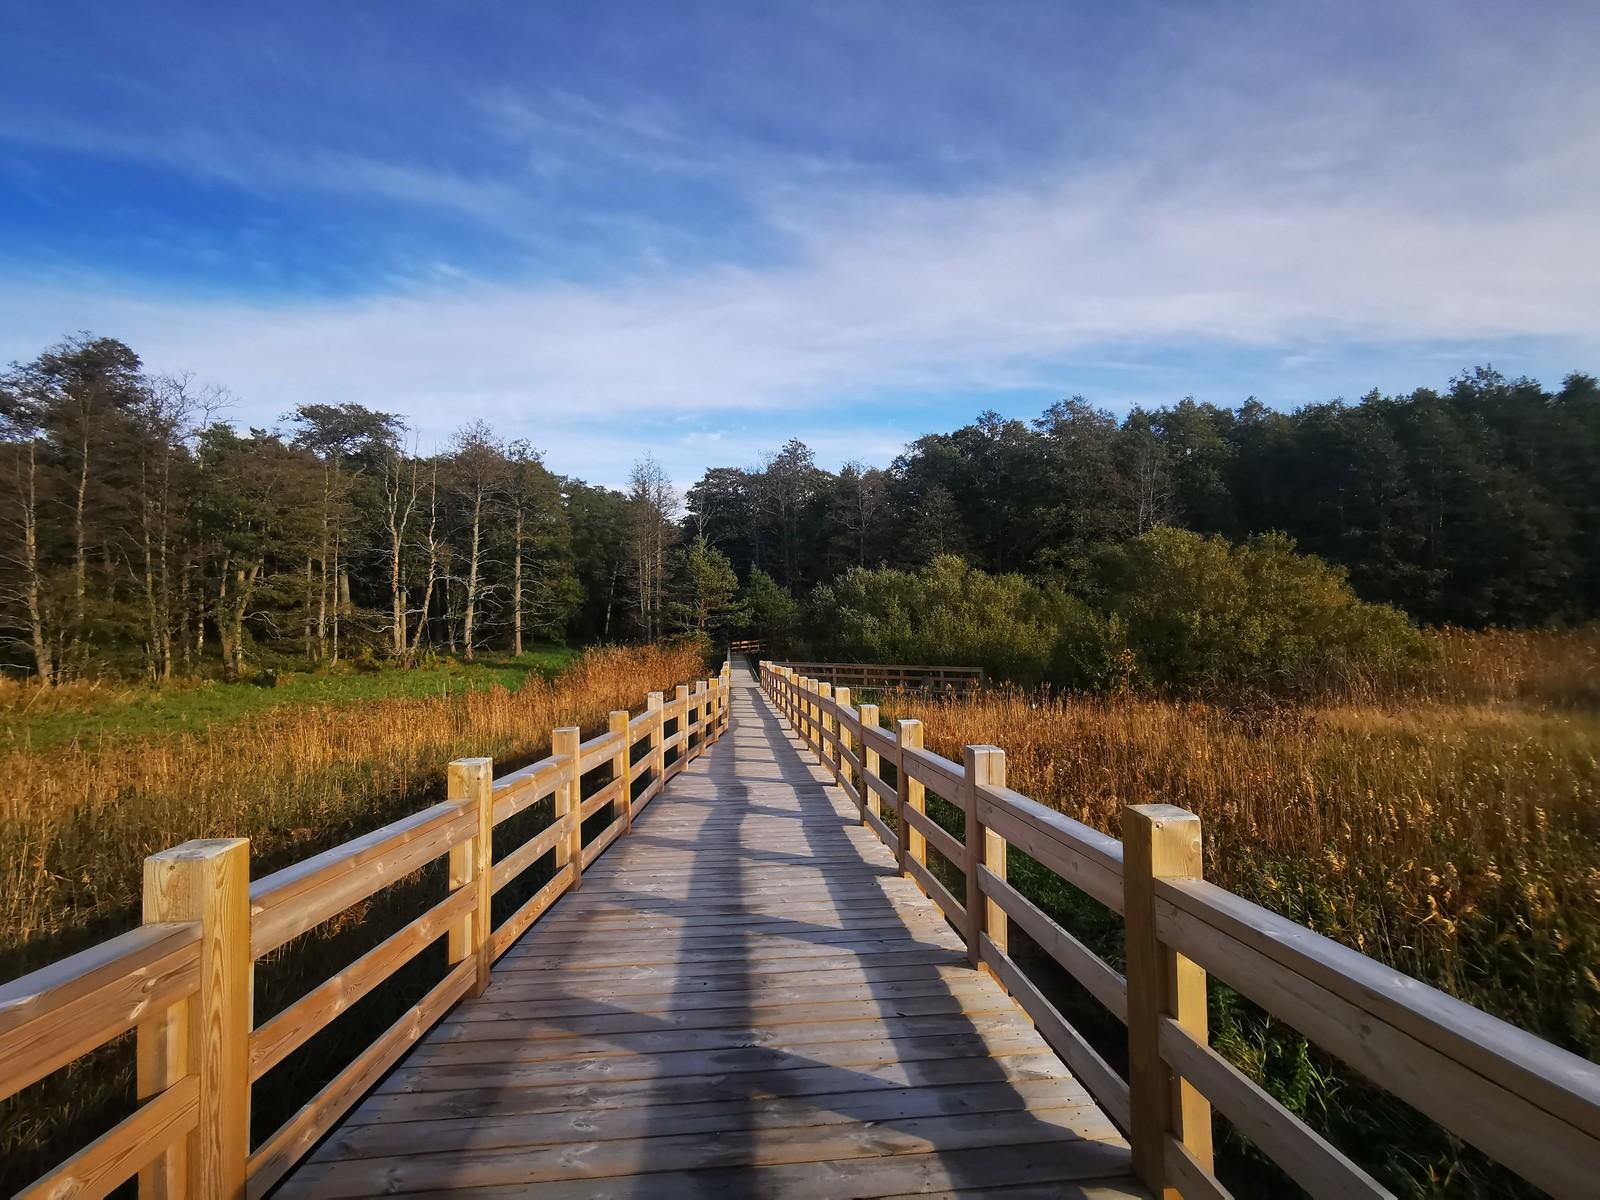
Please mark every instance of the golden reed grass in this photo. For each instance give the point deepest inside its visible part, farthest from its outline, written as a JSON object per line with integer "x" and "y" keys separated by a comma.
{"x": 1457, "y": 841}
{"x": 76, "y": 822}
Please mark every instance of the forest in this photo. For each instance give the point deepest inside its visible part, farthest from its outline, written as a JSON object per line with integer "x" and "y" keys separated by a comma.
{"x": 1477, "y": 505}
{"x": 145, "y": 535}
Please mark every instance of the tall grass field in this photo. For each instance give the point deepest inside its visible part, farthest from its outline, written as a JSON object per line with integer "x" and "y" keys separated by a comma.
{"x": 1449, "y": 828}
{"x": 79, "y": 814}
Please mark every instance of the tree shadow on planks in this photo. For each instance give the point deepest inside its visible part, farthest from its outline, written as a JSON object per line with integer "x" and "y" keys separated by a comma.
{"x": 700, "y": 1061}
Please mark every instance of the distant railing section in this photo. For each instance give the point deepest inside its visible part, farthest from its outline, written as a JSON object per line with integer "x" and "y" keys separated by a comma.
{"x": 183, "y": 979}
{"x": 891, "y": 677}
{"x": 1531, "y": 1106}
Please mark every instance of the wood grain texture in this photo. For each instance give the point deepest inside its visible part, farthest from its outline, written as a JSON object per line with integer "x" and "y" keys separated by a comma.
{"x": 745, "y": 998}
{"x": 910, "y": 794}
{"x": 569, "y": 851}
{"x": 983, "y": 766}
{"x": 295, "y": 1025}
{"x": 470, "y": 782}
{"x": 1161, "y": 842}
{"x": 1093, "y": 972}
{"x": 1305, "y": 1156}
{"x": 119, "y": 1153}
{"x": 57, "y": 1013}
{"x": 208, "y": 881}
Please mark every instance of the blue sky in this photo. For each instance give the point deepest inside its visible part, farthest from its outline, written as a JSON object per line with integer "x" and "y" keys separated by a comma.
{"x": 698, "y": 229}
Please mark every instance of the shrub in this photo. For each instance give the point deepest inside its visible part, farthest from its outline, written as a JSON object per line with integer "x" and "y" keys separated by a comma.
{"x": 1170, "y": 610}
{"x": 1203, "y": 614}
{"x": 952, "y": 614}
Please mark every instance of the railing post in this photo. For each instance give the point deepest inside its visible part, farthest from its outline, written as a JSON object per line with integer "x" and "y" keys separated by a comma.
{"x": 207, "y": 1035}
{"x": 708, "y": 712}
{"x": 622, "y": 763}
{"x": 701, "y": 692}
{"x": 870, "y": 760}
{"x": 986, "y": 767}
{"x": 569, "y": 803}
{"x": 911, "y": 794}
{"x": 656, "y": 705}
{"x": 725, "y": 697}
{"x": 680, "y": 701}
{"x": 825, "y": 726}
{"x": 471, "y": 780}
{"x": 1160, "y": 841}
{"x": 692, "y": 745}
{"x": 841, "y": 726}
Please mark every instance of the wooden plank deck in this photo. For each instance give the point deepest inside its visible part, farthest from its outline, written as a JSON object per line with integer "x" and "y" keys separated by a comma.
{"x": 744, "y": 999}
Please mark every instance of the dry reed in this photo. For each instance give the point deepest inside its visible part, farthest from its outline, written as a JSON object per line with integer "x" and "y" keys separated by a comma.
{"x": 1457, "y": 842}
{"x": 77, "y": 821}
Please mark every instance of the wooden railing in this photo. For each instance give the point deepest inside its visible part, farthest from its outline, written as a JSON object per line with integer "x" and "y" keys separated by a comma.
{"x": 891, "y": 676}
{"x": 1529, "y": 1105}
{"x": 183, "y": 980}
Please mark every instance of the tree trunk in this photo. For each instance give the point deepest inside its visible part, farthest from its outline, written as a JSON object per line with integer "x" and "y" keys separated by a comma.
{"x": 164, "y": 569}
{"x": 472, "y": 576}
{"x": 341, "y": 597}
{"x": 516, "y": 590}
{"x": 30, "y": 557}
{"x": 80, "y": 576}
{"x": 310, "y": 621}
{"x": 399, "y": 519}
{"x": 244, "y": 587}
{"x": 149, "y": 575}
{"x": 433, "y": 564}
{"x": 323, "y": 581}
{"x": 224, "y": 626}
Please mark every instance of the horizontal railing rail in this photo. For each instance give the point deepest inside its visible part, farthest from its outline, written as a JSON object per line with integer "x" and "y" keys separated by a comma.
{"x": 891, "y": 676}
{"x": 1531, "y": 1106}
{"x": 182, "y": 980}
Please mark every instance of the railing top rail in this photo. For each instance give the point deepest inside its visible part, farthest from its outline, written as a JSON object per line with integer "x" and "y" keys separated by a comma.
{"x": 922, "y": 668}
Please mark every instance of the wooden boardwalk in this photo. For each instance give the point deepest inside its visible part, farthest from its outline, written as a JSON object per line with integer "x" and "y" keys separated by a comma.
{"x": 744, "y": 999}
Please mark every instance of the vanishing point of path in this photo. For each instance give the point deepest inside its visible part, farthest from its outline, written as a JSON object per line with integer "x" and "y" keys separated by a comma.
{"x": 744, "y": 999}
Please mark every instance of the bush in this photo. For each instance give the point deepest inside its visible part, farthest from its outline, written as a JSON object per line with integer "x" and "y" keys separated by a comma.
{"x": 1170, "y": 610}
{"x": 951, "y": 614}
{"x": 1205, "y": 615}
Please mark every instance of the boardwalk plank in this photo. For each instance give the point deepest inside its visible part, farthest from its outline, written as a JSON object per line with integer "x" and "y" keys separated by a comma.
{"x": 743, "y": 999}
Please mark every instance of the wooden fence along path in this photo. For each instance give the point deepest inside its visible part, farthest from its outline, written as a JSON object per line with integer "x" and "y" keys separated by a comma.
{"x": 890, "y": 676}
{"x": 770, "y": 986}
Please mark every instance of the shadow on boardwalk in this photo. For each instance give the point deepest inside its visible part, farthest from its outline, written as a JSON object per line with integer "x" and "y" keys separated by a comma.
{"x": 744, "y": 999}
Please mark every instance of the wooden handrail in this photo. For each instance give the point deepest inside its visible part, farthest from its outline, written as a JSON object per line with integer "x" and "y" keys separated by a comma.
{"x": 1530, "y": 1105}
{"x": 64, "y": 1010}
{"x": 891, "y": 675}
{"x": 183, "y": 979}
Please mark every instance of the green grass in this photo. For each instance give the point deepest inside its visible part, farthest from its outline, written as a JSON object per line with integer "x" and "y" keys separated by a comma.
{"x": 134, "y": 712}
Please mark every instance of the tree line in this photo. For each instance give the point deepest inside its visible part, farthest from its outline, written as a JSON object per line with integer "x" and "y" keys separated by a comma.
{"x": 143, "y": 533}
{"x": 1476, "y": 505}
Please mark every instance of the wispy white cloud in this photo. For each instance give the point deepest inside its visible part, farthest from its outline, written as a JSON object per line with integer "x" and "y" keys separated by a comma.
{"x": 1260, "y": 204}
